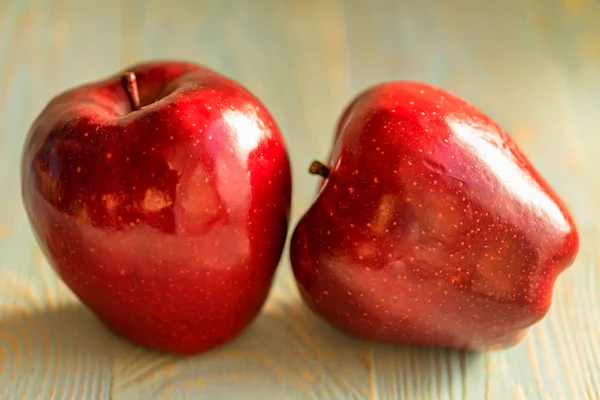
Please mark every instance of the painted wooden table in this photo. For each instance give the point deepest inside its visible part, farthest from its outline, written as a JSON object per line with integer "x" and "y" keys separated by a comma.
{"x": 533, "y": 65}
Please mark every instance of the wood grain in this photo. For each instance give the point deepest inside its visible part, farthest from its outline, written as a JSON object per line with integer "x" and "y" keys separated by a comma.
{"x": 533, "y": 65}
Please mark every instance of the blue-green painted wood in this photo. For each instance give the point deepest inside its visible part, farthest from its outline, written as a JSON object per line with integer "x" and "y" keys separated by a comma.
{"x": 533, "y": 65}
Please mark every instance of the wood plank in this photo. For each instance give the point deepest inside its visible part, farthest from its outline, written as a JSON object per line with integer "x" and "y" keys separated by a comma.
{"x": 50, "y": 346}
{"x": 533, "y": 66}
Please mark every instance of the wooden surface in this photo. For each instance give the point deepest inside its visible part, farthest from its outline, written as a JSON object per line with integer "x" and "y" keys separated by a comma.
{"x": 532, "y": 65}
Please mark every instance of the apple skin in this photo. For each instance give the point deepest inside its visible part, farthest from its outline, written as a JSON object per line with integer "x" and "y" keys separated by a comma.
{"x": 432, "y": 228}
{"x": 168, "y": 222}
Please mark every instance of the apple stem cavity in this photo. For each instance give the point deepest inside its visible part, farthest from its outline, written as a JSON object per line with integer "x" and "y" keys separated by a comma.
{"x": 318, "y": 168}
{"x": 129, "y": 82}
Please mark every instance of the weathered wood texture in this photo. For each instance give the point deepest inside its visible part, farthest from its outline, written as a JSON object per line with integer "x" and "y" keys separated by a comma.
{"x": 532, "y": 65}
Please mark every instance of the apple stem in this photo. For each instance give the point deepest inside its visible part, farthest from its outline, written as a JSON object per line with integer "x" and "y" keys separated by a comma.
{"x": 129, "y": 82}
{"x": 317, "y": 168}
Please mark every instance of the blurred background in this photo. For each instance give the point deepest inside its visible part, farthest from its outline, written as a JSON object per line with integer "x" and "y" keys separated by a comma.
{"x": 532, "y": 65}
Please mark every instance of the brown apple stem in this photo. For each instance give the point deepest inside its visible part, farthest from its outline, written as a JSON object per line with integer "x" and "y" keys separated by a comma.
{"x": 317, "y": 168}
{"x": 129, "y": 82}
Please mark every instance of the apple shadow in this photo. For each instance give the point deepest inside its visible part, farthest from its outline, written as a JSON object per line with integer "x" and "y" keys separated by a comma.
{"x": 52, "y": 351}
{"x": 45, "y": 350}
{"x": 287, "y": 352}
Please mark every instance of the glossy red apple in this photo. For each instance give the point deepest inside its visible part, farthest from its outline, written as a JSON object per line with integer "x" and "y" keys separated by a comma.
{"x": 165, "y": 211}
{"x": 431, "y": 228}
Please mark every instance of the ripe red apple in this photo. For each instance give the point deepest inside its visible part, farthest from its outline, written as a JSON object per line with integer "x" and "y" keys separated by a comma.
{"x": 162, "y": 204}
{"x": 431, "y": 227}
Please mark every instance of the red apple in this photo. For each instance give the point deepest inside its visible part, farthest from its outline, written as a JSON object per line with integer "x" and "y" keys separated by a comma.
{"x": 164, "y": 211}
{"x": 431, "y": 227}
